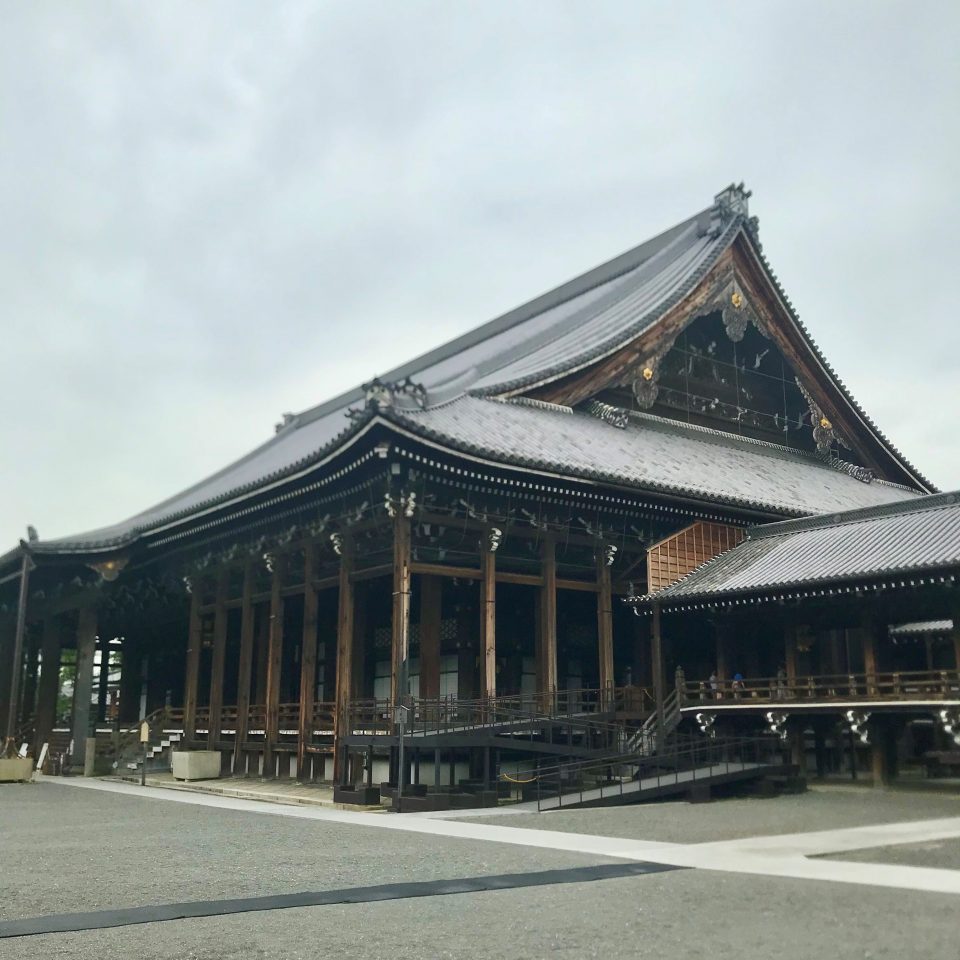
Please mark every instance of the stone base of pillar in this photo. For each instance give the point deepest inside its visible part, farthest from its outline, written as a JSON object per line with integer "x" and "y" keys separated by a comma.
{"x": 90, "y": 757}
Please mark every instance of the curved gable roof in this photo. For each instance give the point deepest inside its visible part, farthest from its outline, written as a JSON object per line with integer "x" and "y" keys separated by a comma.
{"x": 558, "y": 330}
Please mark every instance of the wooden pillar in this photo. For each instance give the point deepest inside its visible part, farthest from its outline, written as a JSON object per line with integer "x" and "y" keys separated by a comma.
{"x": 400, "y": 624}
{"x": 488, "y": 622}
{"x": 870, "y": 655}
{"x": 547, "y": 626}
{"x": 359, "y": 647}
{"x": 790, "y": 654}
{"x": 83, "y": 684}
{"x": 344, "y": 684}
{"x": 605, "y": 625}
{"x": 431, "y": 609}
{"x": 244, "y": 668}
{"x": 656, "y": 657}
{"x": 29, "y": 697}
{"x": 274, "y": 665}
{"x": 49, "y": 687}
{"x": 103, "y": 678}
{"x": 955, "y": 635}
{"x": 192, "y": 674}
{"x": 308, "y": 660}
{"x": 722, "y": 637}
{"x": 7, "y": 630}
{"x": 262, "y": 645}
{"x": 16, "y": 660}
{"x": 217, "y": 660}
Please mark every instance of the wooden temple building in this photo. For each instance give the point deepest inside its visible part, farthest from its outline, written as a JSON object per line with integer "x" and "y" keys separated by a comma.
{"x": 608, "y": 503}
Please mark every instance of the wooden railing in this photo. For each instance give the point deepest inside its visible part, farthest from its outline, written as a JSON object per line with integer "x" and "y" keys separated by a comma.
{"x": 589, "y": 710}
{"x": 901, "y": 685}
{"x": 288, "y": 715}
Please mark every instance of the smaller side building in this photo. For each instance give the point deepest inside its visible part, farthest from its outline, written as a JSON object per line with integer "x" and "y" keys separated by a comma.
{"x": 840, "y": 632}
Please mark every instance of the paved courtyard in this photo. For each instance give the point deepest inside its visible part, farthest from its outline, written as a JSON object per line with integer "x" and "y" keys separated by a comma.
{"x": 757, "y": 878}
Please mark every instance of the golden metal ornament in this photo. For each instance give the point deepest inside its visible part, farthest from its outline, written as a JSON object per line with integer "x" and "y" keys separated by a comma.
{"x": 647, "y": 373}
{"x": 736, "y": 299}
{"x": 825, "y": 423}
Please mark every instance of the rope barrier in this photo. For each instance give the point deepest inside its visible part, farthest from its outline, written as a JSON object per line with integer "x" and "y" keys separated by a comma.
{"x": 511, "y": 780}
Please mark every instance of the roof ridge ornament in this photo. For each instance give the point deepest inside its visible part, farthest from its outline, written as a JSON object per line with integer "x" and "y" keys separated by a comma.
{"x": 608, "y": 413}
{"x": 383, "y": 395}
{"x": 733, "y": 202}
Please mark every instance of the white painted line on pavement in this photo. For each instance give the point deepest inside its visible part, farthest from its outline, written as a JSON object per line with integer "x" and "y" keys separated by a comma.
{"x": 765, "y": 856}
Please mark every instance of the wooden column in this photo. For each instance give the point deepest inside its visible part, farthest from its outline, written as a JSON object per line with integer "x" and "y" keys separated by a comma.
{"x": 217, "y": 661}
{"x": 49, "y": 686}
{"x": 547, "y": 625}
{"x": 308, "y": 659}
{"x": 83, "y": 684}
{"x": 344, "y": 660}
{"x": 103, "y": 680}
{"x": 955, "y": 634}
{"x": 274, "y": 665}
{"x": 191, "y": 678}
{"x": 7, "y": 630}
{"x": 262, "y": 644}
{"x": 431, "y": 609}
{"x": 605, "y": 625}
{"x": 29, "y": 697}
{"x": 400, "y": 624}
{"x": 359, "y": 641}
{"x": 16, "y": 660}
{"x": 722, "y": 631}
{"x": 790, "y": 653}
{"x": 488, "y": 622}
{"x": 656, "y": 658}
{"x": 244, "y": 667}
{"x": 870, "y": 655}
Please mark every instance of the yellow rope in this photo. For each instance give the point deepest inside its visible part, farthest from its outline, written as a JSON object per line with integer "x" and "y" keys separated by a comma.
{"x": 505, "y": 777}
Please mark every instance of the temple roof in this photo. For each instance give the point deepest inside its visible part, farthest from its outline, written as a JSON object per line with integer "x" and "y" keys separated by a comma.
{"x": 920, "y": 535}
{"x": 450, "y": 395}
{"x": 648, "y": 453}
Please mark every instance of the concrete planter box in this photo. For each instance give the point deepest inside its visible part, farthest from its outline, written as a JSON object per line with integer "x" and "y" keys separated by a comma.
{"x": 196, "y": 764}
{"x": 362, "y": 796}
{"x": 17, "y": 768}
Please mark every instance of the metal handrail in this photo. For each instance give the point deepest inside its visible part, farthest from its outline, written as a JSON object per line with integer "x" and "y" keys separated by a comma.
{"x": 559, "y": 780}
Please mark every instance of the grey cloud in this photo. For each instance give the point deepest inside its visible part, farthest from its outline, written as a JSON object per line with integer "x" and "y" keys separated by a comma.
{"x": 215, "y": 212}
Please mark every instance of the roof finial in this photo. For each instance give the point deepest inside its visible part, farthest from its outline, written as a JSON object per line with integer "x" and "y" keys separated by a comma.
{"x": 733, "y": 202}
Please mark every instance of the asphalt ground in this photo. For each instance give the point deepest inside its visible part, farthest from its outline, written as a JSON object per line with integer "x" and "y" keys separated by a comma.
{"x": 66, "y": 849}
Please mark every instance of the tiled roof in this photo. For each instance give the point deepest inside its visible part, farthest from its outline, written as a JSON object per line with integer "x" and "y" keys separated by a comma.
{"x": 587, "y": 311}
{"x": 553, "y": 334}
{"x": 650, "y": 453}
{"x": 919, "y": 534}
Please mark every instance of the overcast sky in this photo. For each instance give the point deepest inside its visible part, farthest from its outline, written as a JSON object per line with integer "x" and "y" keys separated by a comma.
{"x": 211, "y": 213}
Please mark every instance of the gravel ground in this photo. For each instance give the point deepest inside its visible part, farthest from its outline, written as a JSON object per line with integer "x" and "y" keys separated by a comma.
{"x": 64, "y": 849}
{"x": 821, "y": 808}
{"x": 931, "y": 853}
{"x": 683, "y": 914}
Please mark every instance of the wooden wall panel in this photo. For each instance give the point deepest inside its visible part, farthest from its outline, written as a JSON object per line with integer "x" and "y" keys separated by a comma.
{"x": 672, "y": 559}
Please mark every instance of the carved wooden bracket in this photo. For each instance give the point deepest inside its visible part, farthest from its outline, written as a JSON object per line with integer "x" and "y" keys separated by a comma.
{"x": 824, "y": 432}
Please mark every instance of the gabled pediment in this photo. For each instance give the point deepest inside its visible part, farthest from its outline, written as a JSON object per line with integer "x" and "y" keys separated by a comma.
{"x": 733, "y": 355}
